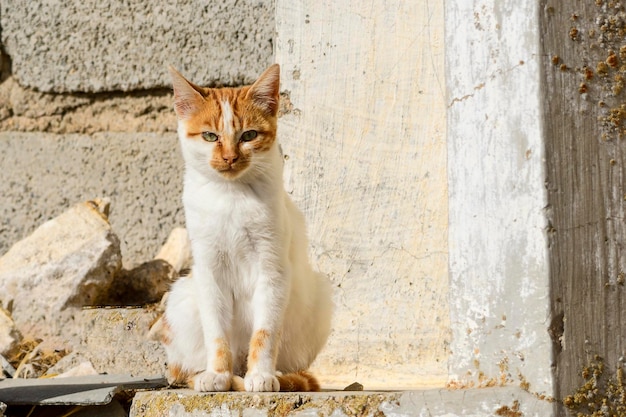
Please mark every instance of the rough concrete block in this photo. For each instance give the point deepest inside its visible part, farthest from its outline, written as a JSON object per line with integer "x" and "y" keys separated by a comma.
{"x": 501, "y": 401}
{"x": 115, "y": 45}
{"x": 140, "y": 173}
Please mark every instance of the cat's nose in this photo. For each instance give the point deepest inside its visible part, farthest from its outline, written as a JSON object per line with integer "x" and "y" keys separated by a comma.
{"x": 230, "y": 158}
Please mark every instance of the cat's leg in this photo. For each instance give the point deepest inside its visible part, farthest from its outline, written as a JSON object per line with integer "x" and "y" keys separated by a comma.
{"x": 180, "y": 332}
{"x": 268, "y": 303}
{"x": 214, "y": 310}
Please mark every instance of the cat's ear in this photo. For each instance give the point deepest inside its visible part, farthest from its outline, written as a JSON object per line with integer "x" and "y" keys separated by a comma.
{"x": 187, "y": 96}
{"x": 264, "y": 92}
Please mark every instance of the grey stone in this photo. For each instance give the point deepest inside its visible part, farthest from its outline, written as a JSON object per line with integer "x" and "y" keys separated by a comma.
{"x": 141, "y": 173}
{"x": 114, "y": 340}
{"x": 95, "y": 46}
{"x": 432, "y": 402}
{"x": 64, "y": 264}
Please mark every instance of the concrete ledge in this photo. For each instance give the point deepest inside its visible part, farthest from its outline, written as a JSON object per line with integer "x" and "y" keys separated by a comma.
{"x": 499, "y": 401}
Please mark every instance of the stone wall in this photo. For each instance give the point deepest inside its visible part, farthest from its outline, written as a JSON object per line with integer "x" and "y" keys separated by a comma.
{"x": 85, "y": 105}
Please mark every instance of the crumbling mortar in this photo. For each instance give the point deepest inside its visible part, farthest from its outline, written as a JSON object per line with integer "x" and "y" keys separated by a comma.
{"x": 26, "y": 110}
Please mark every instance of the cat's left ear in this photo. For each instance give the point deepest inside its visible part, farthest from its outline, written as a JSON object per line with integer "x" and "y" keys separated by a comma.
{"x": 265, "y": 91}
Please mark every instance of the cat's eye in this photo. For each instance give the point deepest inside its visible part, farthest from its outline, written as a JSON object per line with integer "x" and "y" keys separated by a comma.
{"x": 248, "y": 135}
{"x": 209, "y": 136}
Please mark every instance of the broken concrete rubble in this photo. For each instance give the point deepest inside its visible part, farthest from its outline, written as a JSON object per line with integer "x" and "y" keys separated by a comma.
{"x": 9, "y": 334}
{"x": 73, "y": 261}
{"x": 67, "y": 262}
{"x": 177, "y": 250}
{"x": 82, "y": 369}
{"x": 6, "y": 369}
{"x": 114, "y": 341}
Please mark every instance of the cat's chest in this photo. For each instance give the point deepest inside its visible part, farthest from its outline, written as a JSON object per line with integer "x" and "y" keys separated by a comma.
{"x": 232, "y": 216}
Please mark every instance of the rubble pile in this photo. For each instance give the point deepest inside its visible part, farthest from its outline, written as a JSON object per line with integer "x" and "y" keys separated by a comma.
{"x": 68, "y": 308}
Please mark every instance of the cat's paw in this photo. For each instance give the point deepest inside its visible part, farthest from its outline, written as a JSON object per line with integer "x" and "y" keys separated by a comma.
{"x": 211, "y": 381}
{"x": 261, "y": 382}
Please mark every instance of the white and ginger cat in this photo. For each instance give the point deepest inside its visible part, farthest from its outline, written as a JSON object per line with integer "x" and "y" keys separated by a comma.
{"x": 253, "y": 314}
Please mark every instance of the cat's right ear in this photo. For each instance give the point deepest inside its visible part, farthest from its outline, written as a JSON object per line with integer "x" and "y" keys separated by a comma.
{"x": 187, "y": 97}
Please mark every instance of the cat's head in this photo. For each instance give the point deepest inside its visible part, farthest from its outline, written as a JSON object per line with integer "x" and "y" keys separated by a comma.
{"x": 227, "y": 130}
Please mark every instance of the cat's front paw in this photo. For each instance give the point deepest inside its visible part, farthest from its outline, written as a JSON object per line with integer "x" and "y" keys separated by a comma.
{"x": 211, "y": 381}
{"x": 261, "y": 382}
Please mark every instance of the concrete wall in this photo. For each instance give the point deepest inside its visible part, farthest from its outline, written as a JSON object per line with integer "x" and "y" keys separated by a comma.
{"x": 109, "y": 59}
{"x": 499, "y": 274}
{"x": 367, "y": 163}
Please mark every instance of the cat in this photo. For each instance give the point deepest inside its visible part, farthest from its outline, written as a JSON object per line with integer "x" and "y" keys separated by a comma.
{"x": 253, "y": 314}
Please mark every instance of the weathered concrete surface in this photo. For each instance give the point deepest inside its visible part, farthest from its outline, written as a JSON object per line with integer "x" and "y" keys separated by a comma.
{"x": 366, "y": 151}
{"x": 140, "y": 173}
{"x": 510, "y": 401}
{"x": 93, "y": 46}
{"x": 114, "y": 341}
{"x": 65, "y": 264}
{"x": 499, "y": 286}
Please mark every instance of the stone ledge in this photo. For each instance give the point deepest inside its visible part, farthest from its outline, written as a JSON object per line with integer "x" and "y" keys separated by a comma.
{"x": 499, "y": 401}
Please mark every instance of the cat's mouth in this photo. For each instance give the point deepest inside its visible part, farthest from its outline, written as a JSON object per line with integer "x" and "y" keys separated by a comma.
{"x": 231, "y": 170}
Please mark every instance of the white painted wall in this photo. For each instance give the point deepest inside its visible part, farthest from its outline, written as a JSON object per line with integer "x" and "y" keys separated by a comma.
{"x": 367, "y": 163}
{"x": 499, "y": 273}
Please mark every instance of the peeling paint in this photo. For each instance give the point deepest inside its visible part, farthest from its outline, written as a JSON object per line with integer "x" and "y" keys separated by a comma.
{"x": 497, "y": 239}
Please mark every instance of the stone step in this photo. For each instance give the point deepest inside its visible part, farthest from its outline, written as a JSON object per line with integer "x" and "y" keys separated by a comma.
{"x": 496, "y": 401}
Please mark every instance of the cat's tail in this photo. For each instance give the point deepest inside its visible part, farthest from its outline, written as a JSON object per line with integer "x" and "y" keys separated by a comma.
{"x": 299, "y": 381}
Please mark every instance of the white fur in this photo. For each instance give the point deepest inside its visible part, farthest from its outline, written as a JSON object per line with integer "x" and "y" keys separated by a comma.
{"x": 250, "y": 272}
{"x": 227, "y": 118}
